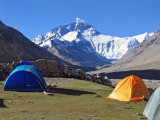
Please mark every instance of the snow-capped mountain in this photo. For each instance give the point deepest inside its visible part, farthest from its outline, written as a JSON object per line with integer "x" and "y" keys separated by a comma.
{"x": 115, "y": 47}
{"x": 139, "y": 60}
{"x": 79, "y": 43}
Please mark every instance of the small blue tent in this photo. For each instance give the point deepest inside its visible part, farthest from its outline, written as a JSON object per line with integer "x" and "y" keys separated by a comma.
{"x": 25, "y": 77}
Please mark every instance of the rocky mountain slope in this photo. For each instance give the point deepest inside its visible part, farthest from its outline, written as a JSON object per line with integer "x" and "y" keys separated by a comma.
{"x": 14, "y": 46}
{"x": 81, "y": 44}
{"x": 143, "y": 57}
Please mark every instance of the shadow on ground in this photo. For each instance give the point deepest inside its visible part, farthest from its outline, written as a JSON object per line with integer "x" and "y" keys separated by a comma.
{"x": 69, "y": 91}
{"x": 144, "y": 74}
{"x": 2, "y": 105}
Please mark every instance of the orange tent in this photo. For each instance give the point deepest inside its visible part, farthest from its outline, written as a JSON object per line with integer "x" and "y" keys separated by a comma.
{"x": 131, "y": 88}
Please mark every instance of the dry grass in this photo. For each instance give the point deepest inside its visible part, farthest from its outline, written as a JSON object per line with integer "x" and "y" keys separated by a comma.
{"x": 72, "y": 100}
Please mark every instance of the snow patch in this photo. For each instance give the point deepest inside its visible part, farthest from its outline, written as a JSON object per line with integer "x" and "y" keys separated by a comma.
{"x": 46, "y": 44}
{"x": 70, "y": 36}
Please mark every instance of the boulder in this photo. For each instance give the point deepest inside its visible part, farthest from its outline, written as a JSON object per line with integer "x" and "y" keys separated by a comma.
{"x": 1, "y": 67}
{"x": 79, "y": 74}
{"x": 14, "y": 63}
{"x": 100, "y": 81}
{"x": 88, "y": 77}
{"x": 6, "y": 68}
{"x": 67, "y": 71}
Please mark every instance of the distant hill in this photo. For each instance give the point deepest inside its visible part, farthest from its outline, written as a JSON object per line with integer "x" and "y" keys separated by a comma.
{"x": 14, "y": 46}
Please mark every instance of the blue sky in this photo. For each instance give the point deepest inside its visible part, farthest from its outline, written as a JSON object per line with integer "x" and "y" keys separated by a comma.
{"x": 122, "y": 18}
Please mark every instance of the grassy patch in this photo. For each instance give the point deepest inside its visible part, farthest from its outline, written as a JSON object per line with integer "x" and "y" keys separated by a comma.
{"x": 72, "y": 100}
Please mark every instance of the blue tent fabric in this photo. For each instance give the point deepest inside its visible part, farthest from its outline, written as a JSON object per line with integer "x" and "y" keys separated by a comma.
{"x": 25, "y": 77}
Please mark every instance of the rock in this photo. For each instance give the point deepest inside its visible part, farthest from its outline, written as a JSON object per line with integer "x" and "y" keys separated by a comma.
{"x": 14, "y": 63}
{"x": 79, "y": 74}
{"x": 88, "y": 77}
{"x": 107, "y": 82}
{"x": 67, "y": 71}
{"x": 47, "y": 93}
{"x": 1, "y": 67}
{"x": 99, "y": 81}
{"x": 8, "y": 68}
{"x": 2, "y": 75}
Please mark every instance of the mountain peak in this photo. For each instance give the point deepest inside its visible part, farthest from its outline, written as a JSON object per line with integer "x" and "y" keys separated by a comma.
{"x": 83, "y": 37}
{"x": 78, "y": 20}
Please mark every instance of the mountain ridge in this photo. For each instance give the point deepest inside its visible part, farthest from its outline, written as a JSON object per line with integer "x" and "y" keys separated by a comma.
{"x": 14, "y": 46}
{"x": 143, "y": 57}
{"x": 104, "y": 48}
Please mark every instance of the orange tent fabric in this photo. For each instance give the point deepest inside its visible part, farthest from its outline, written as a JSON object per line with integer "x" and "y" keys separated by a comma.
{"x": 131, "y": 88}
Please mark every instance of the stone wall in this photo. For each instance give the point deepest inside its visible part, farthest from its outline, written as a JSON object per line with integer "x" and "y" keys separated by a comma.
{"x": 51, "y": 69}
{"x": 5, "y": 69}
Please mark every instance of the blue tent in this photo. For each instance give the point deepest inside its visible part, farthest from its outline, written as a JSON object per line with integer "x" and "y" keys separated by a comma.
{"x": 25, "y": 77}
